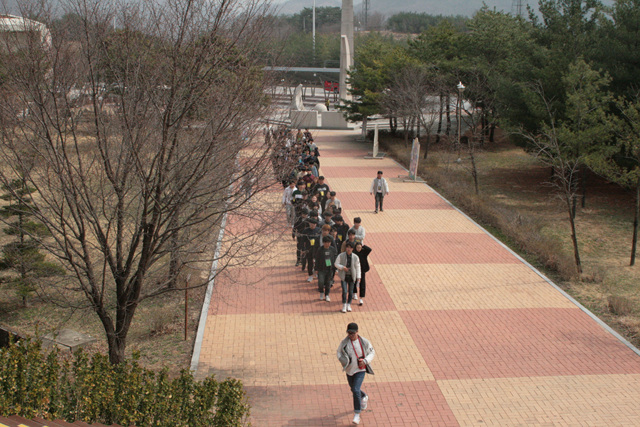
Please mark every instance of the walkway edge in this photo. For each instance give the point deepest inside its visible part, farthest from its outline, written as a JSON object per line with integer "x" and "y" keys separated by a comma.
{"x": 545, "y": 278}
{"x": 202, "y": 323}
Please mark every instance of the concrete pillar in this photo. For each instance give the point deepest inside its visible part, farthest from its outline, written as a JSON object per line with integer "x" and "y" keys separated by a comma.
{"x": 346, "y": 46}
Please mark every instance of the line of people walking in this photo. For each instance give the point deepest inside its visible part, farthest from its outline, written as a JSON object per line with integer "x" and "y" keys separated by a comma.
{"x": 325, "y": 244}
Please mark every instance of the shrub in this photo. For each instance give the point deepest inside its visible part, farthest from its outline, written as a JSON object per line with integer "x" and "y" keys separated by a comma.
{"x": 619, "y": 305}
{"x": 90, "y": 389}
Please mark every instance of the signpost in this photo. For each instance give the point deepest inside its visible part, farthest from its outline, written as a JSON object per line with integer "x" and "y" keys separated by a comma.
{"x": 413, "y": 166}
{"x": 375, "y": 154}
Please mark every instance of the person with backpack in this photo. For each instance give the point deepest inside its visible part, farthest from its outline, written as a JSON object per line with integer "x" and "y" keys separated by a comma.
{"x": 355, "y": 354}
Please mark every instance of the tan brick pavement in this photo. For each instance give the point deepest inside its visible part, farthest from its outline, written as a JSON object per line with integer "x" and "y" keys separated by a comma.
{"x": 465, "y": 332}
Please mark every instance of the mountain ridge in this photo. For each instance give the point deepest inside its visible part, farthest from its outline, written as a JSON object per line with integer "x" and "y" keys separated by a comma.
{"x": 388, "y": 8}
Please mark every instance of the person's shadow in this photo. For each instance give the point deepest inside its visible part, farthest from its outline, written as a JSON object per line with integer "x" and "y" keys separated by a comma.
{"x": 328, "y": 420}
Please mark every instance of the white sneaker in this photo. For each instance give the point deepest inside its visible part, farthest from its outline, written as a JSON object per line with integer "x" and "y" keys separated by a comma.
{"x": 344, "y": 308}
{"x": 310, "y": 279}
{"x": 348, "y": 307}
{"x": 361, "y": 301}
{"x": 364, "y": 402}
{"x": 356, "y": 419}
{"x": 321, "y": 297}
{"x": 327, "y": 298}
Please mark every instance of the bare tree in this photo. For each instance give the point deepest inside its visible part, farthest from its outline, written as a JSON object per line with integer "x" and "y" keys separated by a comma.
{"x": 411, "y": 97}
{"x": 138, "y": 139}
{"x": 551, "y": 149}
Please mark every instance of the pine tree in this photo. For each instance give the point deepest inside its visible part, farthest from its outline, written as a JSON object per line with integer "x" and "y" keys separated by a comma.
{"x": 22, "y": 256}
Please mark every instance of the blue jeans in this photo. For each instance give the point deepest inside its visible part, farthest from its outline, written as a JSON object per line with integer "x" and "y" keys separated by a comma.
{"x": 355, "y": 382}
{"x": 347, "y": 291}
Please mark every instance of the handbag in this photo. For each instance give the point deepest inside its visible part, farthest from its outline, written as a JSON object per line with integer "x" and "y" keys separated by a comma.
{"x": 368, "y": 369}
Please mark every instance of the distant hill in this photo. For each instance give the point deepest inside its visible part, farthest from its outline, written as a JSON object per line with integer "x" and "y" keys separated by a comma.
{"x": 432, "y": 7}
{"x": 388, "y": 8}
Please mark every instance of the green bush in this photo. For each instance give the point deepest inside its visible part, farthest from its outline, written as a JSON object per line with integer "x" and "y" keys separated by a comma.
{"x": 90, "y": 389}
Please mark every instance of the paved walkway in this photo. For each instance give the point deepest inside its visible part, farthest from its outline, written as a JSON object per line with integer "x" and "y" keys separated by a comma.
{"x": 465, "y": 333}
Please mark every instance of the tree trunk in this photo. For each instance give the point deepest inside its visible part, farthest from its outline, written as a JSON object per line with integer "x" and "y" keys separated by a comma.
{"x": 392, "y": 127}
{"x": 483, "y": 126}
{"x": 448, "y": 111}
{"x": 492, "y": 132}
{"x": 474, "y": 171}
{"x": 117, "y": 346}
{"x": 440, "y": 116}
{"x": 426, "y": 146}
{"x": 405, "y": 126}
{"x": 634, "y": 242}
{"x": 584, "y": 186}
{"x": 364, "y": 126}
{"x": 574, "y": 239}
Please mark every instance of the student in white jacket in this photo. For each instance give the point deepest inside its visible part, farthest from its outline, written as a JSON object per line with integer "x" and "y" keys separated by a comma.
{"x": 348, "y": 266}
{"x": 380, "y": 188}
{"x": 355, "y": 354}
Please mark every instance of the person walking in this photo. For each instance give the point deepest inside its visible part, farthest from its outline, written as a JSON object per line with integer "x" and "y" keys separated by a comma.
{"x": 355, "y": 354}
{"x": 380, "y": 187}
{"x": 311, "y": 244}
{"x": 297, "y": 233}
{"x": 348, "y": 266}
{"x": 287, "y": 201}
{"x": 362, "y": 252}
{"x": 359, "y": 229}
{"x": 325, "y": 257}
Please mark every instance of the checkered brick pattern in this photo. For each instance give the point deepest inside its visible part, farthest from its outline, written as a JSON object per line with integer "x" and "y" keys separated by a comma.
{"x": 464, "y": 332}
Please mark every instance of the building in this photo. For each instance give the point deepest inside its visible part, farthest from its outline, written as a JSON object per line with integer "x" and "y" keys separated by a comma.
{"x": 19, "y": 33}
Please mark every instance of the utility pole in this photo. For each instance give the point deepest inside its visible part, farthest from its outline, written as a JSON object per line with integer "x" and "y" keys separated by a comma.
{"x": 516, "y": 8}
{"x": 365, "y": 5}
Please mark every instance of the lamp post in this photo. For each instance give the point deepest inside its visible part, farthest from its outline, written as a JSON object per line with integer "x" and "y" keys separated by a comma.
{"x": 460, "y": 88}
{"x": 314, "y": 32}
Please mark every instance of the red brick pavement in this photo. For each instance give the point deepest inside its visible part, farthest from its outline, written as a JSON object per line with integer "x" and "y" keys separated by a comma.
{"x": 286, "y": 290}
{"x": 362, "y": 200}
{"x": 461, "y": 344}
{"x": 418, "y": 403}
{"x": 436, "y": 248}
{"x": 480, "y": 358}
{"x": 358, "y": 172}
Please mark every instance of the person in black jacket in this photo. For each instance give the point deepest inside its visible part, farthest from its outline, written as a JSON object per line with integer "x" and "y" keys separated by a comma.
{"x": 342, "y": 228}
{"x": 311, "y": 244}
{"x": 321, "y": 189}
{"x": 362, "y": 251}
{"x": 325, "y": 257}
{"x": 297, "y": 233}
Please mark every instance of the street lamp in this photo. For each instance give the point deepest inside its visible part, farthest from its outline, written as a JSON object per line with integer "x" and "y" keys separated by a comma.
{"x": 460, "y": 88}
{"x": 314, "y": 33}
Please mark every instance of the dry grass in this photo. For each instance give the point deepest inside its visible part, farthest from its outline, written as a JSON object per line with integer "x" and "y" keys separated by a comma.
{"x": 518, "y": 205}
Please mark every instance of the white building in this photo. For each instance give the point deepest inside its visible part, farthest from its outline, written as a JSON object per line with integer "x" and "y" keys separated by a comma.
{"x": 17, "y": 33}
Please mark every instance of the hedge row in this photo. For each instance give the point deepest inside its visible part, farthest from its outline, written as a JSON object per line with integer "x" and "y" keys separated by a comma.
{"x": 89, "y": 389}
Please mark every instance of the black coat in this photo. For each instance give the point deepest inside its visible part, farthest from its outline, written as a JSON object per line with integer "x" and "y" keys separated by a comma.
{"x": 363, "y": 255}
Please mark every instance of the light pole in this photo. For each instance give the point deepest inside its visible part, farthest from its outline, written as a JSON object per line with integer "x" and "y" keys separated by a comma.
{"x": 314, "y": 33}
{"x": 460, "y": 88}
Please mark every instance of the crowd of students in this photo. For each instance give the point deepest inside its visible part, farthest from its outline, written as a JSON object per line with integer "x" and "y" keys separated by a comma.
{"x": 326, "y": 245}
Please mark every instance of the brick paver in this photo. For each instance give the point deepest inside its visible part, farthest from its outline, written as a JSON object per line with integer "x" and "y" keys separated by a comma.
{"x": 465, "y": 333}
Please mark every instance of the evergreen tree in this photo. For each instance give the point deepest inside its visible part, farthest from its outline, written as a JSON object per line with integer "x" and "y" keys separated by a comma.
{"x": 22, "y": 256}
